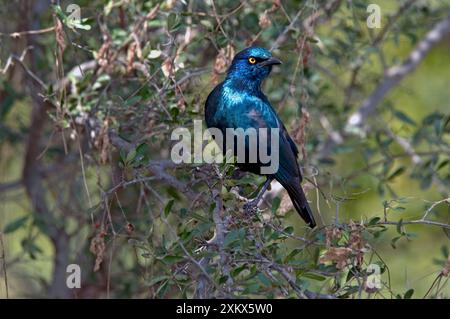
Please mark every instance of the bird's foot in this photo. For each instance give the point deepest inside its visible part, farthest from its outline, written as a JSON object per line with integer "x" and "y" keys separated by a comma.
{"x": 250, "y": 207}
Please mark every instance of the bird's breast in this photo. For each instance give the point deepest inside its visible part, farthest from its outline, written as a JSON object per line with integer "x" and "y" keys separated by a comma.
{"x": 232, "y": 97}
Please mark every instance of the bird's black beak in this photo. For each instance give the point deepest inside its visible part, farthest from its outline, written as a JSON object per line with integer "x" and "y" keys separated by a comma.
{"x": 270, "y": 61}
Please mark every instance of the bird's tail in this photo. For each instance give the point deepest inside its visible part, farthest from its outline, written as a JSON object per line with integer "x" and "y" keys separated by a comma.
{"x": 301, "y": 205}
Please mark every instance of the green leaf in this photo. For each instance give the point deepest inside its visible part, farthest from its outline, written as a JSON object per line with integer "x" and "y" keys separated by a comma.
{"x": 312, "y": 40}
{"x": 408, "y": 294}
{"x": 444, "y": 251}
{"x": 15, "y": 225}
{"x": 442, "y": 164}
{"x": 399, "y": 227}
{"x": 142, "y": 152}
{"x": 59, "y": 12}
{"x": 394, "y": 241}
{"x": 207, "y": 24}
{"x": 162, "y": 289}
{"x": 171, "y": 259}
{"x": 133, "y": 100}
{"x": 351, "y": 273}
{"x": 251, "y": 288}
{"x": 404, "y": 118}
{"x": 289, "y": 230}
{"x": 83, "y": 25}
{"x": 396, "y": 173}
{"x": 199, "y": 217}
{"x": 314, "y": 276}
{"x": 231, "y": 237}
{"x": 130, "y": 156}
{"x": 157, "y": 279}
{"x": 264, "y": 280}
{"x": 235, "y": 272}
{"x": 154, "y": 54}
{"x": 168, "y": 207}
{"x": 275, "y": 204}
{"x": 173, "y": 22}
{"x": 223, "y": 280}
{"x": 373, "y": 221}
{"x": 31, "y": 248}
{"x": 292, "y": 254}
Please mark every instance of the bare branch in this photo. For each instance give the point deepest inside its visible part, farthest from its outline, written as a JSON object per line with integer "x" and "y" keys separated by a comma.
{"x": 77, "y": 73}
{"x": 416, "y": 222}
{"x": 396, "y": 73}
{"x": 157, "y": 167}
{"x": 423, "y": 220}
{"x": 325, "y": 12}
{"x": 301, "y": 293}
{"x": 3, "y": 259}
{"x": 403, "y": 8}
{"x": 16, "y": 35}
{"x": 20, "y": 59}
{"x": 4, "y": 187}
{"x": 406, "y": 145}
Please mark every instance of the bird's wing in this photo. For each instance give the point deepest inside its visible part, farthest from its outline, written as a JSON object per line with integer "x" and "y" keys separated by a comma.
{"x": 212, "y": 106}
{"x": 259, "y": 113}
{"x": 283, "y": 128}
{"x": 288, "y": 173}
{"x": 290, "y": 140}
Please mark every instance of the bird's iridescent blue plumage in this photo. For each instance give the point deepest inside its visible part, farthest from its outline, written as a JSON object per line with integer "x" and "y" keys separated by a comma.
{"x": 238, "y": 102}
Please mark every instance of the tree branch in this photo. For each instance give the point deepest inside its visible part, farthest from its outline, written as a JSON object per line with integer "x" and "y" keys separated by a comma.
{"x": 301, "y": 293}
{"x": 156, "y": 167}
{"x": 416, "y": 222}
{"x": 4, "y": 187}
{"x": 396, "y": 73}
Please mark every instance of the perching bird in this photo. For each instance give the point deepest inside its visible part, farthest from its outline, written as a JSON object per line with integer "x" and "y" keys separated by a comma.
{"x": 238, "y": 102}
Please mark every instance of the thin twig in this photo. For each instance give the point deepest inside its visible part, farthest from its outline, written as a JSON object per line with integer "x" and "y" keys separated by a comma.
{"x": 16, "y": 35}
{"x": 446, "y": 200}
{"x": 416, "y": 222}
{"x": 3, "y": 258}
{"x": 396, "y": 73}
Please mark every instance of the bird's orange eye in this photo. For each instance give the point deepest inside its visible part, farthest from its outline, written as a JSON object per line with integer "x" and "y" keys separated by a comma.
{"x": 252, "y": 60}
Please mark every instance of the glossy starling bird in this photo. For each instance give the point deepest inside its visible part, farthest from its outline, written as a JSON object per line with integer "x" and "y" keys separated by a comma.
{"x": 238, "y": 102}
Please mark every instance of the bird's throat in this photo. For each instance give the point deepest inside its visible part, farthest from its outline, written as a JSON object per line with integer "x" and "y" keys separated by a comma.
{"x": 245, "y": 85}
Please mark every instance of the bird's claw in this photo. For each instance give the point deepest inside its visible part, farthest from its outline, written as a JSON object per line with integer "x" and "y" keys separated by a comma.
{"x": 250, "y": 208}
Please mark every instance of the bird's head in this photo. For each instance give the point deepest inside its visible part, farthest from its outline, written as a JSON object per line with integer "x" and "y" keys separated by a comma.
{"x": 252, "y": 64}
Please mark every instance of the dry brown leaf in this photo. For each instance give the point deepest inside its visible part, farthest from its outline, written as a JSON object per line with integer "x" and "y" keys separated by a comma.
{"x": 130, "y": 56}
{"x": 299, "y": 133}
{"x": 337, "y": 255}
{"x": 104, "y": 54}
{"x": 98, "y": 248}
{"x": 357, "y": 242}
{"x": 264, "y": 20}
{"x": 102, "y": 142}
{"x": 153, "y": 12}
{"x": 167, "y": 68}
{"x": 333, "y": 234}
{"x": 181, "y": 103}
{"x": 223, "y": 60}
{"x": 59, "y": 33}
{"x": 130, "y": 228}
{"x": 275, "y": 5}
{"x": 304, "y": 49}
{"x": 446, "y": 271}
